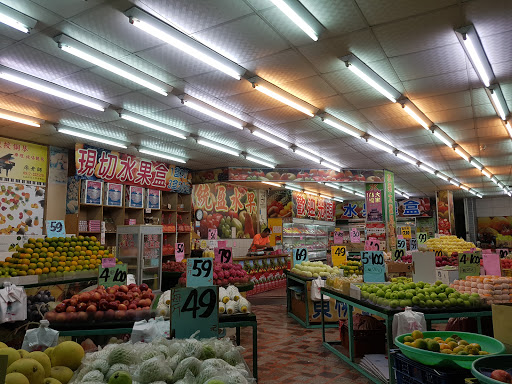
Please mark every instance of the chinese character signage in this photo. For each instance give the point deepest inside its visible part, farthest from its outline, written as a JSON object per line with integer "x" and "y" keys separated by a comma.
{"x": 22, "y": 162}
{"x": 227, "y": 208}
{"x": 414, "y": 207}
{"x": 389, "y": 208}
{"x": 374, "y": 199}
{"x": 312, "y": 207}
{"x": 107, "y": 165}
{"x": 348, "y": 210}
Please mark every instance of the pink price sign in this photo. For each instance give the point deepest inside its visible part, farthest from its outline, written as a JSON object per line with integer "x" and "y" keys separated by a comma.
{"x": 179, "y": 252}
{"x": 224, "y": 255}
{"x": 355, "y": 236}
{"x": 108, "y": 262}
{"x": 212, "y": 233}
{"x": 338, "y": 237}
{"x": 492, "y": 264}
{"x": 372, "y": 245}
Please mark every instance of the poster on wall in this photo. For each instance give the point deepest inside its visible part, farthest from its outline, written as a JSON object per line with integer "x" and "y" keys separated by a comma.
{"x": 22, "y": 162}
{"x": 58, "y": 166}
{"x": 349, "y": 210}
{"x": 497, "y": 230}
{"x": 98, "y": 163}
{"x": 226, "y": 207}
{"x": 389, "y": 208}
{"x": 374, "y": 201}
{"x": 418, "y": 207}
{"x": 21, "y": 209}
{"x": 279, "y": 204}
{"x": 312, "y": 207}
{"x": 445, "y": 213}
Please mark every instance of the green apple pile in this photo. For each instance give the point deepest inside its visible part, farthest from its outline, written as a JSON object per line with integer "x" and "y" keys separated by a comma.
{"x": 399, "y": 294}
{"x": 314, "y": 269}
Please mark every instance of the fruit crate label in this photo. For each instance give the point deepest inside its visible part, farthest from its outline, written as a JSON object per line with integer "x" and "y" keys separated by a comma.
{"x": 338, "y": 237}
{"x": 224, "y": 255}
{"x": 116, "y": 275}
{"x": 374, "y": 269}
{"x": 372, "y": 245}
{"x": 212, "y": 233}
{"x": 299, "y": 255}
{"x": 200, "y": 272}
{"x": 469, "y": 264}
{"x": 355, "y": 236}
{"x": 503, "y": 253}
{"x": 422, "y": 237}
{"x": 492, "y": 264}
{"x": 108, "y": 262}
{"x": 406, "y": 232}
{"x": 194, "y": 309}
{"x": 179, "y": 252}
{"x": 55, "y": 228}
{"x": 338, "y": 255}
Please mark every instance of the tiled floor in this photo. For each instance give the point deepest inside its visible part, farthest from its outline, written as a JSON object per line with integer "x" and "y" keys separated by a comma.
{"x": 289, "y": 353}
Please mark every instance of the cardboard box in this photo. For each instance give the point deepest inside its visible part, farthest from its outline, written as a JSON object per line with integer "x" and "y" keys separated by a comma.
{"x": 447, "y": 276}
{"x": 153, "y": 198}
{"x": 394, "y": 270}
{"x": 134, "y": 197}
{"x": 113, "y": 194}
{"x": 501, "y": 315}
{"x": 92, "y": 192}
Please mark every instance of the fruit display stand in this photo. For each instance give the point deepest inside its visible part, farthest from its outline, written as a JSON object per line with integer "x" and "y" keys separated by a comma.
{"x": 387, "y": 316}
{"x": 302, "y": 309}
{"x": 266, "y": 272}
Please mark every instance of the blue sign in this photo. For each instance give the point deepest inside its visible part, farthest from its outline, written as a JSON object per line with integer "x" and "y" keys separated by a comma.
{"x": 200, "y": 272}
{"x": 55, "y": 228}
{"x": 374, "y": 269}
{"x": 411, "y": 208}
{"x": 299, "y": 255}
{"x": 195, "y": 309}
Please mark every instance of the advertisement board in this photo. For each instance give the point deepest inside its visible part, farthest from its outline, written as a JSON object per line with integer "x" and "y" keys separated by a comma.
{"x": 22, "y": 162}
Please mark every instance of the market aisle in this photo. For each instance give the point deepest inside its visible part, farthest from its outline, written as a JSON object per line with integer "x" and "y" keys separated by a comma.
{"x": 291, "y": 354}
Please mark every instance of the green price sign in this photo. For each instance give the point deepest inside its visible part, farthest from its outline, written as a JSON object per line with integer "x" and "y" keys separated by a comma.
{"x": 422, "y": 237}
{"x": 469, "y": 264}
{"x": 108, "y": 277}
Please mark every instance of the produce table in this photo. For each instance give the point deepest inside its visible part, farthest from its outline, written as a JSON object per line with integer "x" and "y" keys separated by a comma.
{"x": 387, "y": 315}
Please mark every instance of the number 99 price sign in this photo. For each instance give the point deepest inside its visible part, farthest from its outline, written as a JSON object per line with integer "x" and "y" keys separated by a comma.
{"x": 194, "y": 309}
{"x": 200, "y": 272}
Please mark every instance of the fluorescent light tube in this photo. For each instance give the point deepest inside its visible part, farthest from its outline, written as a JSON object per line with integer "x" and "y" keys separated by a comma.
{"x": 441, "y": 176}
{"x": 454, "y": 182}
{"x": 346, "y": 129}
{"x": 371, "y": 82}
{"x": 359, "y": 194}
{"x": 218, "y": 147}
{"x": 332, "y": 185}
{"x": 407, "y": 158}
{"x": 99, "y": 139}
{"x": 379, "y": 144}
{"x": 326, "y": 197}
{"x": 415, "y": 116}
{"x": 293, "y": 188}
{"x": 330, "y": 166}
{"x": 4, "y": 19}
{"x": 338, "y": 199}
{"x": 15, "y": 19}
{"x": 148, "y": 124}
{"x": 283, "y": 99}
{"x": 267, "y": 137}
{"x": 183, "y": 42}
{"x": 443, "y": 137}
{"x": 427, "y": 168}
{"x": 19, "y": 120}
{"x": 215, "y": 115}
{"x": 298, "y": 19}
{"x": 311, "y": 193}
{"x": 259, "y": 161}
{"x": 473, "y": 192}
{"x": 464, "y": 187}
{"x": 162, "y": 155}
{"x": 307, "y": 155}
{"x": 477, "y": 55}
{"x": 39, "y": 86}
{"x": 475, "y": 164}
{"x": 497, "y": 100}
{"x": 495, "y": 180}
{"x": 273, "y": 184}
{"x": 461, "y": 154}
{"x": 509, "y": 128}
{"x": 486, "y": 173}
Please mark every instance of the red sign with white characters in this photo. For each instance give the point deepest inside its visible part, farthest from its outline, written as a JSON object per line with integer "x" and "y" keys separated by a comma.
{"x": 312, "y": 207}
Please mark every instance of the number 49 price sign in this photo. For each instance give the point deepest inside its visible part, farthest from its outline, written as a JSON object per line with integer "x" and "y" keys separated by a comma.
{"x": 338, "y": 255}
{"x": 374, "y": 268}
{"x": 299, "y": 255}
{"x": 194, "y": 309}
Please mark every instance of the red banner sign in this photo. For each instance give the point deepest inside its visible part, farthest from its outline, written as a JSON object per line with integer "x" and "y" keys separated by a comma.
{"x": 312, "y": 207}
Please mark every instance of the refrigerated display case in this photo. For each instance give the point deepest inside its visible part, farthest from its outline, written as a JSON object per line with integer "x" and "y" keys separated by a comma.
{"x": 312, "y": 234}
{"x": 140, "y": 247}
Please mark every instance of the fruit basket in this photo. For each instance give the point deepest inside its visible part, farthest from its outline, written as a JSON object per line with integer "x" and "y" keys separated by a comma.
{"x": 484, "y": 367}
{"x": 488, "y": 344}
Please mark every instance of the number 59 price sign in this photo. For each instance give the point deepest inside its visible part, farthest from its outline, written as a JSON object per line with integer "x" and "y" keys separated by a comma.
{"x": 194, "y": 309}
{"x": 200, "y": 272}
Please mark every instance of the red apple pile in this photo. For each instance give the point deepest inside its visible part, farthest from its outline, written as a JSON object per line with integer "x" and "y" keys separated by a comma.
{"x": 174, "y": 266}
{"x": 125, "y": 302}
{"x": 444, "y": 260}
{"x": 506, "y": 263}
{"x": 224, "y": 274}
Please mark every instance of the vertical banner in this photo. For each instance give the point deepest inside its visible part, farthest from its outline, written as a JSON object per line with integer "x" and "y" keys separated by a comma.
{"x": 276, "y": 231}
{"x": 389, "y": 208}
{"x": 374, "y": 195}
{"x": 445, "y": 213}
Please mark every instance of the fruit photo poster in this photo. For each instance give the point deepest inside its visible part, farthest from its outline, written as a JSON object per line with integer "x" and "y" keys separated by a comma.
{"x": 21, "y": 209}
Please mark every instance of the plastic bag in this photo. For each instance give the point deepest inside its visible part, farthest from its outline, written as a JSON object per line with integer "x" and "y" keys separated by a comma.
{"x": 315, "y": 289}
{"x": 408, "y": 321}
{"x": 13, "y": 303}
{"x": 147, "y": 331}
{"x": 38, "y": 339}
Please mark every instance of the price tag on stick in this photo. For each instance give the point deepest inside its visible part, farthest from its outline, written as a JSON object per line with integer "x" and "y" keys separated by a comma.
{"x": 401, "y": 244}
{"x": 299, "y": 255}
{"x": 422, "y": 237}
{"x": 338, "y": 255}
{"x": 502, "y": 252}
{"x": 224, "y": 255}
{"x": 108, "y": 277}
{"x": 398, "y": 254}
{"x": 55, "y": 228}
{"x": 194, "y": 309}
{"x": 406, "y": 232}
{"x": 372, "y": 245}
{"x": 212, "y": 233}
{"x": 179, "y": 251}
{"x": 374, "y": 269}
{"x": 200, "y": 272}
{"x": 355, "y": 236}
{"x": 413, "y": 244}
{"x": 338, "y": 237}
{"x": 469, "y": 264}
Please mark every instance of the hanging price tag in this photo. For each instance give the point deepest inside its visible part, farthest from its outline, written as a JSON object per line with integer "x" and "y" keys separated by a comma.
{"x": 406, "y": 232}
{"x": 469, "y": 264}
{"x": 108, "y": 277}
{"x": 55, "y": 228}
{"x": 502, "y": 252}
{"x": 372, "y": 245}
{"x": 299, "y": 255}
{"x": 355, "y": 236}
{"x": 413, "y": 244}
{"x": 200, "y": 272}
{"x": 374, "y": 269}
{"x": 492, "y": 264}
{"x": 194, "y": 309}
{"x": 212, "y": 233}
{"x": 224, "y": 255}
{"x": 179, "y": 251}
{"x": 338, "y": 255}
{"x": 338, "y": 237}
{"x": 398, "y": 254}
{"x": 422, "y": 237}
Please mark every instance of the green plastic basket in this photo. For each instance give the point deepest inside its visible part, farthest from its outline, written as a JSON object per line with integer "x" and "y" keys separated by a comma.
{"x": 487, "y": 364}
{"x": 493, "y": 346}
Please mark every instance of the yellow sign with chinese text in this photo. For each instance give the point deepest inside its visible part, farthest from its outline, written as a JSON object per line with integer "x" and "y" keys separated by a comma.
{"x": 21, "y": 161}
{"x": 276, "y": 231}
{"x": 406, "y": 232}
{"x": 338, "y": 255}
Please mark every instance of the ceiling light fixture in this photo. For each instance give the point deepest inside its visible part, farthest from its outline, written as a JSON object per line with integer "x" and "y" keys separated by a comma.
{"x": 454, "y": 182}
{"x": 443, "y": 137}
{"x": 509, "y": 128}
{"x": 218, "y": 147}
{"x": 292, "y": 188}
{"x": 339, "y": 199}
{"x": 272, "y": 184}
{"x": 166, "y": 156}
{"x": 495, "y": 180}
{"x": 473, "y": 47}
{"x": 343, "y": 127}
{"x": 330, "y": 166}
{"x": 16, "y": 20}
{"x": 326, "y": 197}
{"x": 371, "y": 77}
{"x": 427, "y": 168}
{"x": 16, "y": 118}
{"x": 462, "y": 154}
{"x": 464, "y": 187}
{"x": 216, "y": 115}
{"x": 476, "y": 164}
{"x": 300, "y": 16}
{"x": 498, "y": 101}
{"x": 277, "y": 94}
{"x": 310, "y": 193}
{"x": 407, "y": 158}
{"x": 473, "y": 192}
{"x": 183, "y": 42}
{"x": 441, "y": 176}
{"x": 259, "y": 161}
{"x": 307, "y": 155}
{"x": 486, "y": 173}
{"x": 379, "y": 144}
{"x": 145, "y": 123}
{"x": 94, "y": 138}
{"x": 332, "y": 185}
{"x": 270, "y": 138}
{"x": 359, "y": 194}
{"x": 416, "y": 114}
{"x": 54, "y": 90}
{"x": 84, "y": 52}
